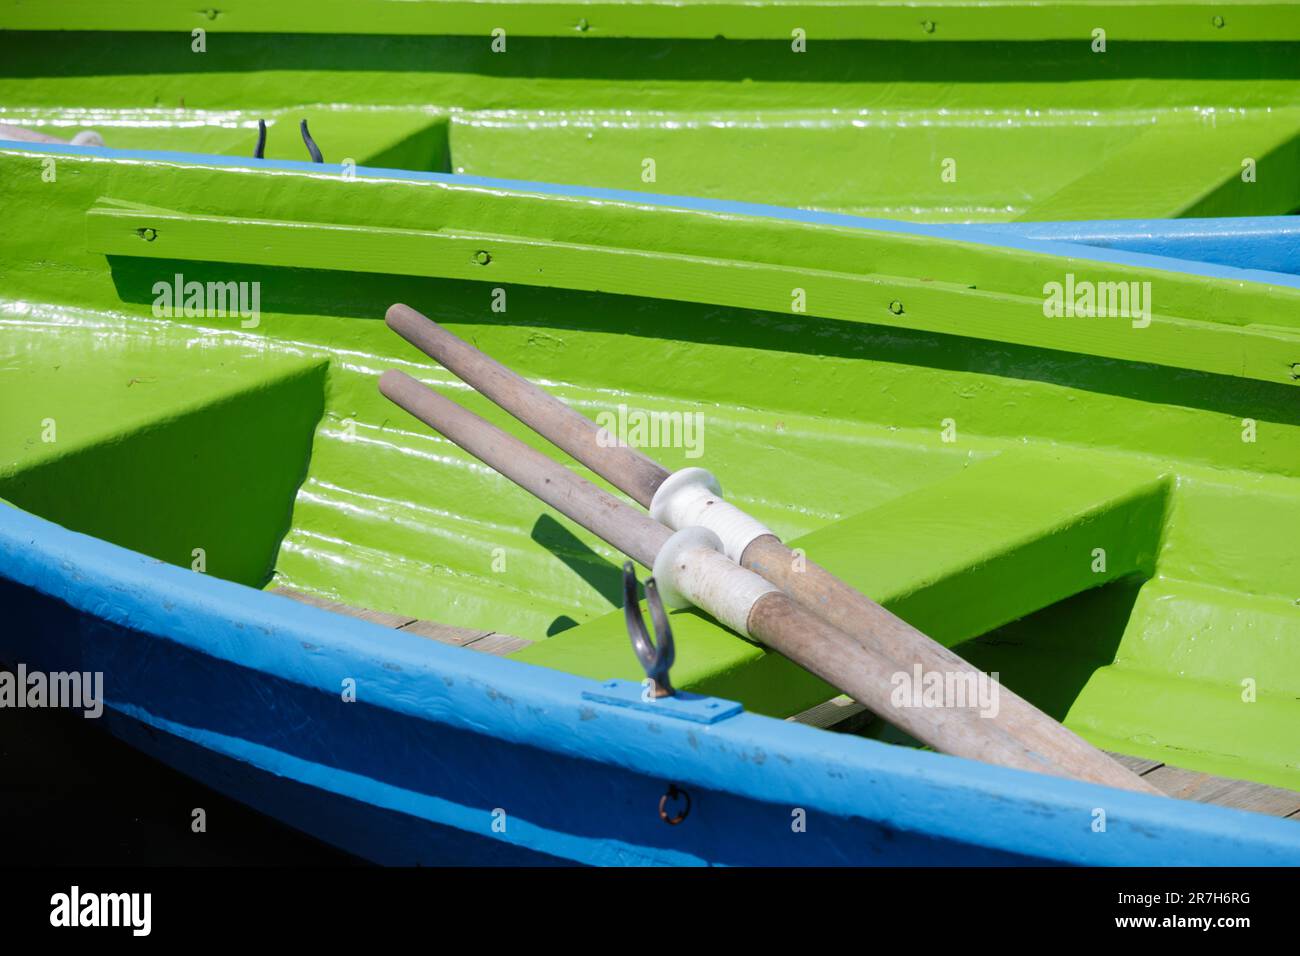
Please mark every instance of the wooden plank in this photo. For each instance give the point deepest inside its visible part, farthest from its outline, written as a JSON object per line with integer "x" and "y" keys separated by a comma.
{"x": 843, "y": 714}
{"x": 382, "y": 618}
{"x": 1139, "y": 765}
{"x": 1241, "y": 794}
{"x": 444, "y": 633}
{"x": 499, "y": 644}
{"x": 487, "y": 642}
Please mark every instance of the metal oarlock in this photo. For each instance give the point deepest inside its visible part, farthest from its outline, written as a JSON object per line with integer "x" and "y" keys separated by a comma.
{"x": 259, "y": 152}
{"x": 316, "y": 156}
{"x": 656, "y": 655}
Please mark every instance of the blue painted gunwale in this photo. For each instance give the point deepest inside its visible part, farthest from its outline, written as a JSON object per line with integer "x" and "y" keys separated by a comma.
{"x": 1255, "y": 249}
{"x": 1255, "y": 243}
{"x": 242, "y": 688}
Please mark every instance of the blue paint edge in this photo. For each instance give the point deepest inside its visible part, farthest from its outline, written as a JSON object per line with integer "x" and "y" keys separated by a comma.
{"x": 680, "y": 706}
{"x": 1053, "y": 239}
{"x": 757, "y": 757}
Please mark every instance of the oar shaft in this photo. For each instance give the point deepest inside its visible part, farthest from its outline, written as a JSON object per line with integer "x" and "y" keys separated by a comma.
{"x": 627, "y": 529}
{"x": 1030, "y": 737}
{"x": 625, "y": 468}
{"x": 865, "y": 673}
{"x": 869, "y": 623}
{"x": 23, "y": 134}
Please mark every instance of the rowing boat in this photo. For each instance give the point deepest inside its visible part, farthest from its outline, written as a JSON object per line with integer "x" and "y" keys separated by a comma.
{"x": 1068, "y": 449}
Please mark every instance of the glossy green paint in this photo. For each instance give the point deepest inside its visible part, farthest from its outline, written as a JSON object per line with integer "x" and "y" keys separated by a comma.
{"x": 1028, "y": 123}
{"x": 1228, "y": 331}
{"x": 828, "y": 427}
{"x": 270, "y": 448}
{"x": 935, "y": 21}
{"x": 199, "y": 472}
{"x": 1004, "y": 537}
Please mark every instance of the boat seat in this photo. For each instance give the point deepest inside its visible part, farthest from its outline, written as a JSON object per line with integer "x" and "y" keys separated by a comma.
{"x": 1007, "y": 536}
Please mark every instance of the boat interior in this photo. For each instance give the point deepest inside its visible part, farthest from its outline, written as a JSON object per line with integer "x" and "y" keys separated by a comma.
{"x": 1101, "y": 533}
{"x": 860, "y": 127}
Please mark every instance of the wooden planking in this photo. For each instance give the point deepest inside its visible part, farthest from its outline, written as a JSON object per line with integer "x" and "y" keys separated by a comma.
{"x": 381, "y": 618}
{"x": 446, "y": 633}
{"x": 843, "y": 715}
{"x": 1242, "y": 794}
{"x": 500, "y": 644}
{"x": 1139, "y": 765}
{"x": 487, "y": 642}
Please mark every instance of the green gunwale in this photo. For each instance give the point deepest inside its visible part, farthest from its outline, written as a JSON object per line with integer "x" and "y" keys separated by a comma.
{"x": 1012, "y": 117}
{"x": 935, "y": 21}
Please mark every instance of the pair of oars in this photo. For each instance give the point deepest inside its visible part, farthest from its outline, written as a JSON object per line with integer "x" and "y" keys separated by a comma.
{"x": 729, "y": 565}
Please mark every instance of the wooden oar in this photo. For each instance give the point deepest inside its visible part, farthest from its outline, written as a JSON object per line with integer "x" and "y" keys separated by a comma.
{"x": 688, "y": 565}
{"x": 85, "y": 138}
{"x": 1041, "y": 739}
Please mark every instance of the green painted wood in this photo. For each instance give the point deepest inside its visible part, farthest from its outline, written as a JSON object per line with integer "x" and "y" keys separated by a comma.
{"x": 863, "y": 125}
{"x": 843, "y": 416}
{"x": 1211, "y": 147}
{"x": 199, "y": 474}
{"x": 931, "y": 305}
{"x": 955, "y": 558}
{"x": 846, "y": 19}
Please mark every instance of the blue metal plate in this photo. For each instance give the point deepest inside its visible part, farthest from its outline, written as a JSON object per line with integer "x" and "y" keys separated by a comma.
{"x": 682, "y": 706}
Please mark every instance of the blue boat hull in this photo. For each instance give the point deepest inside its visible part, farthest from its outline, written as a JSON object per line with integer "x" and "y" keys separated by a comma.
{"x": 447, "y": 756}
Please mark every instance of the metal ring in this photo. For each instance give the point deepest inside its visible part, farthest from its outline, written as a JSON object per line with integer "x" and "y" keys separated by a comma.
{"x": 673, "y": 793}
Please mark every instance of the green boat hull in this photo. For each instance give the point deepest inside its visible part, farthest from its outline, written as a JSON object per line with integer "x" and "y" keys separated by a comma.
{"x": 995, "y": 113}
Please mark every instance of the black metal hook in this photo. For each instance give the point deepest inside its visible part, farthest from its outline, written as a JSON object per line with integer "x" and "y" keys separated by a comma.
{"x": 312, "y": 148}
{"x": 316, "y": 157}
{"x": 657, "y": 654}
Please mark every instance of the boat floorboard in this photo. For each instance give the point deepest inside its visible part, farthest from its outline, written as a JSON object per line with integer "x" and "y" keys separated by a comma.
{"x": 489, "y": 642}
{"x": 847, "y": 716}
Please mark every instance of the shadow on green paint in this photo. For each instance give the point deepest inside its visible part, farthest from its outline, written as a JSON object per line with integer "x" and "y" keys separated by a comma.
{"x": 221, "y": 479}
{"x": 1049, "y": 656}
{"x": 367, "y": 296}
